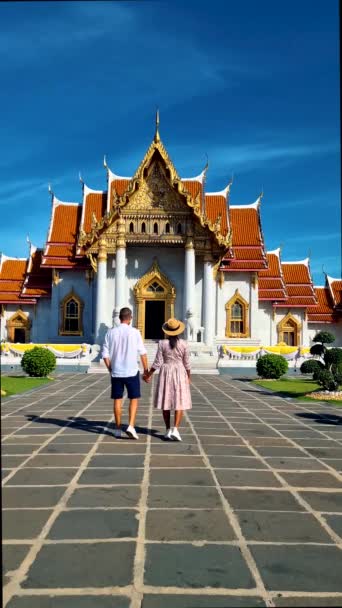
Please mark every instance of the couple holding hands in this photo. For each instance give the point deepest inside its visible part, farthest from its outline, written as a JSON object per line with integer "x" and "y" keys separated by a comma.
{"x": 122, "y": 346}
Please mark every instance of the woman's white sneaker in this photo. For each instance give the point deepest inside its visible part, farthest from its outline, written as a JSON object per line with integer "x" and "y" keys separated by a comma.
{"x": 175, "y": 435}
{"x": 131, "y": 432}
{"x": 168, "y": 434}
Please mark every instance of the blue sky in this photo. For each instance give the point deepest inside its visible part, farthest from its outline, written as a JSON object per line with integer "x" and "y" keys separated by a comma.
{"x": 254, "y": 85}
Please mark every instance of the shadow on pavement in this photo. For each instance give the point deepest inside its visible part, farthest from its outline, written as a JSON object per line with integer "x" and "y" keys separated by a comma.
{"x": 90, "y": 426}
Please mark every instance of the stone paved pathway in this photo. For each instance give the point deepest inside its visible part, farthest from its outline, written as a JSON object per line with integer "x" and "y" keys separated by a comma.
{"x": 246, "y": 511}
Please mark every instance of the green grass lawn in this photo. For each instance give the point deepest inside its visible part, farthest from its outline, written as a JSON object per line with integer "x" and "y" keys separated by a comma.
{"x": 293, "y": 387}
{"x": 19, "y": 384}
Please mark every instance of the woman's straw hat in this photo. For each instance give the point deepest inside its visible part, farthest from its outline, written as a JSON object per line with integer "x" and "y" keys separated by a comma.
{"x": 173, "y": 327}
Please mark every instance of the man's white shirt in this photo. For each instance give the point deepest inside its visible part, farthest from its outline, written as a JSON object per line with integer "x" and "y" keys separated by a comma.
{"x": 123, "y": 345}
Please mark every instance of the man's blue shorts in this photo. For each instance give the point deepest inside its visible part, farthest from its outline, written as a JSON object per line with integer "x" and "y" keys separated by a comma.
{"x": 132, "y": 384}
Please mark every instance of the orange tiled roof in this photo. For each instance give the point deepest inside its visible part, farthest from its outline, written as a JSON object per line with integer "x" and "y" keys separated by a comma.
{"x": 12, "y": 276}
{"x": 215, "y": 206}
{"x": 298, "y": 285}
{"x": 38, "y": 279}
{"x": 247, "y": 241}
{"x": 192, "y": 186}
{"x": 60, "y": 247}
{"x": 271, "y": 282}
{"x": 336, "y": 287}
{"x": 118, "y": 187}
{"x": 323, "y": 311}
{"x": 94, "y": 203}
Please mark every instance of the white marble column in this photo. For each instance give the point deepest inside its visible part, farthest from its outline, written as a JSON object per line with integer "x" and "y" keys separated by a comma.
{"x": 101, "y": 284}
{"x": 208, "y": 301}
{"x": 189, "y": 278}
{"x": 120, "y": 266}
{"x": 120, "y": 278}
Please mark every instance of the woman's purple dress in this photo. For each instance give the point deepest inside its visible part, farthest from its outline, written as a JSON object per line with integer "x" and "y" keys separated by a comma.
{"x": 173, "y": 389}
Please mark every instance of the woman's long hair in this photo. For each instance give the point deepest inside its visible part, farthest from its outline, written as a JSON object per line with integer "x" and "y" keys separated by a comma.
{"x": 173, "y": 341}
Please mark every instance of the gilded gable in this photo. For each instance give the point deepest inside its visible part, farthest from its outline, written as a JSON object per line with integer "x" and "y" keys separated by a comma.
{"x": 155, "y": 193}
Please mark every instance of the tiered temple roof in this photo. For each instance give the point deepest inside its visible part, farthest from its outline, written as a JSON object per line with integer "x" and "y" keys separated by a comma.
{"x": 271, "y": 281}
{"x": 286, "y": 284}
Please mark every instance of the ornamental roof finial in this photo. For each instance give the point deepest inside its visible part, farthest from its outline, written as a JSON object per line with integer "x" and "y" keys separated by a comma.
{"x": 156, "y": 135}
{"x": 50, "y": 191}
{"x": 105, "y": 162}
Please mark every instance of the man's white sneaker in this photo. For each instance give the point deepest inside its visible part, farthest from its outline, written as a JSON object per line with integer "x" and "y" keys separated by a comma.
{"x": 175, "y": 435}
{"x": 168, "y": 434}
{"x": 117, "y": 433}
{"x": 131, "y": 432}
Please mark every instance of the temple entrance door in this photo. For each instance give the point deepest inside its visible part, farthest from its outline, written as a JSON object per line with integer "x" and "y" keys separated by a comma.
{"x": 19, "y": 335}
{"x": 154, "y": 319}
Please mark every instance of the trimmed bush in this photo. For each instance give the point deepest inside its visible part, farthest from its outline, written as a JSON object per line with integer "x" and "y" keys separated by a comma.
{"x": 333, "y": 356}
{"x": 38, "y": 362}
{"x": 325, "y": 337}
{"x": 317, "y": 350}
{"x": 311, "y": 366}
{"x": 326, "y": 380}
{"x": 271, "y": 366}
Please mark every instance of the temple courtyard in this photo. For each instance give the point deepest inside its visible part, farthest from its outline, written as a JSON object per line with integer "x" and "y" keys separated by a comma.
{"x": 245, "y": 511}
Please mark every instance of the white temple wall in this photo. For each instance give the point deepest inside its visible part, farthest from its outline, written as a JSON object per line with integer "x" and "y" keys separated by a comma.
{"x": 171, "y": 263}
{"x": 263, "y": 324}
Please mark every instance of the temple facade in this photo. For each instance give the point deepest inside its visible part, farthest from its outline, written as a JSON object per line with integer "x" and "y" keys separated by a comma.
{"x": 165, "y": 247}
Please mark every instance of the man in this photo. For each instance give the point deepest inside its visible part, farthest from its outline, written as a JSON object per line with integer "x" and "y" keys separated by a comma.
{"x": 120, "y": 352}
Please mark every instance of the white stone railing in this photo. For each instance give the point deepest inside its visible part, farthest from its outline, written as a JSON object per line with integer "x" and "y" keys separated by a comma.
{"x": 61, "y": 351}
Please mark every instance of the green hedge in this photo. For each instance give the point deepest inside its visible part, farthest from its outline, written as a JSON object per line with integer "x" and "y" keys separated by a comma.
{"x": 38, "y": 362}
{"x": 271, "y": 366}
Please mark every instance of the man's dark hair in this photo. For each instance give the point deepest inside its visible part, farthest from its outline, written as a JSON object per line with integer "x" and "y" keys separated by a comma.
{"x": 125, "y": 314}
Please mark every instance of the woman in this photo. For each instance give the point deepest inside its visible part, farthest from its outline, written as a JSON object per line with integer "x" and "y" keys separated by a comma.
{"x": 173, "y": 386}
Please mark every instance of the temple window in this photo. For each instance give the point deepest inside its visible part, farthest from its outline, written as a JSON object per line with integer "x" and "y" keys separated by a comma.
{"x": 131, "y": 227}
{"x": 155, "y": 287}
{"x": 179, "y": 229}
{"x": 237, "y": 317}
{"x": 71, "y": 315}
{"x": 167, "y": 228}
{"x": 18, "y": 327}
{"x": 155, "y": 228}
{"x": 143, "y": 227}
{"x": 289, "y": 330}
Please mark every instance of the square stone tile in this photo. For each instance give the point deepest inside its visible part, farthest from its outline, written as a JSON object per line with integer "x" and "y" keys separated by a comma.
{"x": 165, "y": 461}
{"x": 188, "y": 525}
{"x": 79, "y": 566}
{"x": 335, "y": 522}
{"x": 281, "y": 527}
{"x": 74, "y": 601}
{"x": 36, "y": 477}
{"x": 121, "y": 448}
{"x": 121, "y": 496}
{"x": 299, "y": 568}
{"x": 195, "y": 567}
{"x": 94, "y": 524}
{"x": 14, "y": 448}
{"x": 200, "y": 601}
{"x": 236, "y": 462}
{"x": 12, "y": 556}
{"x": 326, "y": 452}
{"x": 230, "y": 477}
{"x": 297, "y": 464}
{"x": 66, "y": 448}
{"x": 280, "y": 452}
{"x": 66, "y": 460}
{"x": 228, "y": 450}
{"x": 25, "y": 524}
{"x": 207, "y": 440}
{"x": 269, "y": 441}
{"x": 307, "y": 602}
{"x": 324, "y": 501}
{"x": 117, "y": 461}
{"x": 174, "y": 447}
{"x": 12, "y": 462}
{"x": 195, "y": 477}
{"x": 31, "y": 497}
{"x": 111, "y": 476}
{"x": 192, "y": 496}
{"x": 269, "y": 500}
{"x": 312, "y": 480}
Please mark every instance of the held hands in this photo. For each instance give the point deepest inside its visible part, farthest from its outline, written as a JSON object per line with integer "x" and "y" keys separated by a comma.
{"x": 147, "y": 376}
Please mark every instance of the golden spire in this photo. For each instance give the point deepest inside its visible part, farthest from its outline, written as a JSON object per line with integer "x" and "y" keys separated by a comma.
{"x": 156, "y": 135}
